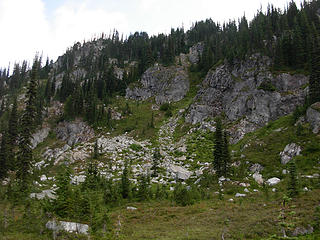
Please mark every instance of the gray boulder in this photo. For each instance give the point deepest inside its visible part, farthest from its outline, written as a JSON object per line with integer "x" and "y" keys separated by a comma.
{"x": 240, "y": 195}
{"x": 298, "y": 231}
{"x": 273, "y": 181}
{"x": 180, "y": 172}
{"x": 290, "y": 151}
{"x": 67, "y": 226}
{"x": 313, "y": 117}
{"x": 45, "y": 193}
{"x": 256, "y": 168}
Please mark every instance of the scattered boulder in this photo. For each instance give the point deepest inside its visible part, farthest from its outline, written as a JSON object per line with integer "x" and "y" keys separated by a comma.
{"x": 256, "y": 168}
{"x": 67, "y": 226}
{"x": 43, "y": 178}
{"x": 258, "y": 178}
{"x": 246, "y": 190}
{"x": 131, "y": 208}
{"x": 298, "y": 231}
{"x": 273, "y": 181}
{"x": 240, "y": 195}
{"x": 45, "y": 193}
{"x": 290, "y": 151}
{"x": 181, "y": 172}
{"x": 313, "y": 117}
{"x": 78, "y": 179}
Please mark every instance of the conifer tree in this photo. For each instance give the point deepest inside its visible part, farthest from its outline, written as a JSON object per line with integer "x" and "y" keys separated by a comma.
{"x": 226, "y": 155}
{"x": 314, "y": 80}
{"x": 156, "y": 162}
{"x": 293, "y": 184}
{"x": 12, "y": 134}
{"x": 25, "y": 156}
{"x": 125, "y": 182}
{"x": 3, "y": 156}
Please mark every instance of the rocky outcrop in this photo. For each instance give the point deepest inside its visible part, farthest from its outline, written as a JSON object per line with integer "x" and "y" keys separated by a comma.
{"x": 166, "y": 84}
{"x": 247, "y": 92}
{"x": 39, "y": 136}
{"x": 289, "y": 152}
{"x": 313, "y": 117}
{"x": 195, "y": 52}
{"x": 74, "y": 132}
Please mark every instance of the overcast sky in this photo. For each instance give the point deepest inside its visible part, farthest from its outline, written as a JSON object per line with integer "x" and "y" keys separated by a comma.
{"x": 50, "y": 26}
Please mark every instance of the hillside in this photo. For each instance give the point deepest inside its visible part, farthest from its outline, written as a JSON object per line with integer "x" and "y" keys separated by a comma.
{"x": 211, "y": 133}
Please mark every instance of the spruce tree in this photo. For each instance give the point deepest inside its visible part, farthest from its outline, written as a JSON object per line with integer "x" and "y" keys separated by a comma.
{"x": 218, "y": 149}
{"x": 3, "y": 156}
{"x": 156, "y": 162}
{"x": 25, "y": 156}
{"x": 293, "y": 183}
{"x": 226, "y": 155}
{"x": 125, "y": 182}
{"x": 12, "y": 135}
{"x": 314, "y": 80}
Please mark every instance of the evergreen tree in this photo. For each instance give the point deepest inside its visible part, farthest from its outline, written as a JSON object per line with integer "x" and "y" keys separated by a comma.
{"x": 226, "y": 155}
{"x": 293, "y": 184}
{"x": 314, "y": 80}
{"x": 12, "y": 135}
{"x": 3, "y": 156}
{"x": 156, "y": 162}
{"x": 61, "y": 203}
{"x": 25, "y": 156}
{"x": 144, "y": 185}
{"x": 125, "y": 182}
{"x": 218, "y": 149}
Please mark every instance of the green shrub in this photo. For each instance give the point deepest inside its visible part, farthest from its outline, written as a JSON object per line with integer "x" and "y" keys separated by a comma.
{"x": 135, "y": 147}
{"x": 165, "y": 107}
{"x": 185, "y": 196}
{"x": 267, "y": 86}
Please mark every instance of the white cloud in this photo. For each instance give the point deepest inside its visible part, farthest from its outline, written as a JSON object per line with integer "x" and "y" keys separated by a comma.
{"x": 26, "y": 29}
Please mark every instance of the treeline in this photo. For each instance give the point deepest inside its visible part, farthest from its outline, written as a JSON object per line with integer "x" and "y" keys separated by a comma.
{"x": 289, "y": 37}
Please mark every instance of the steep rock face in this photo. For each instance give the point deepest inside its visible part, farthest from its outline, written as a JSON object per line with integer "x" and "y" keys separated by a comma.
{"x": 249, "y": 92}
{"x": 166, "y": 84}
{"x": 74, "y": 132}
{"x": 313, "y": 117}
{"x": 195, "y": 52}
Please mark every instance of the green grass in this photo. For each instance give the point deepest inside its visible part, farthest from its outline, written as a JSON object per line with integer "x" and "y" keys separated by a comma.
{"x": 246, "y": 218}
{"x": 264, "y": 146}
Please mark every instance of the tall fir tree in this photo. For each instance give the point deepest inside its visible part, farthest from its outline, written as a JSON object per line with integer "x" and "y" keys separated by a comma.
{"x": 12, "y": 135}
{"x": 293, "y": 183}
{"x": 25, "y": 156}
{"x": 125, "y": 182}
{"x": 3, "y": 156}
{"x": 226, "y": 155}
{"x": 314, "y": 80}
